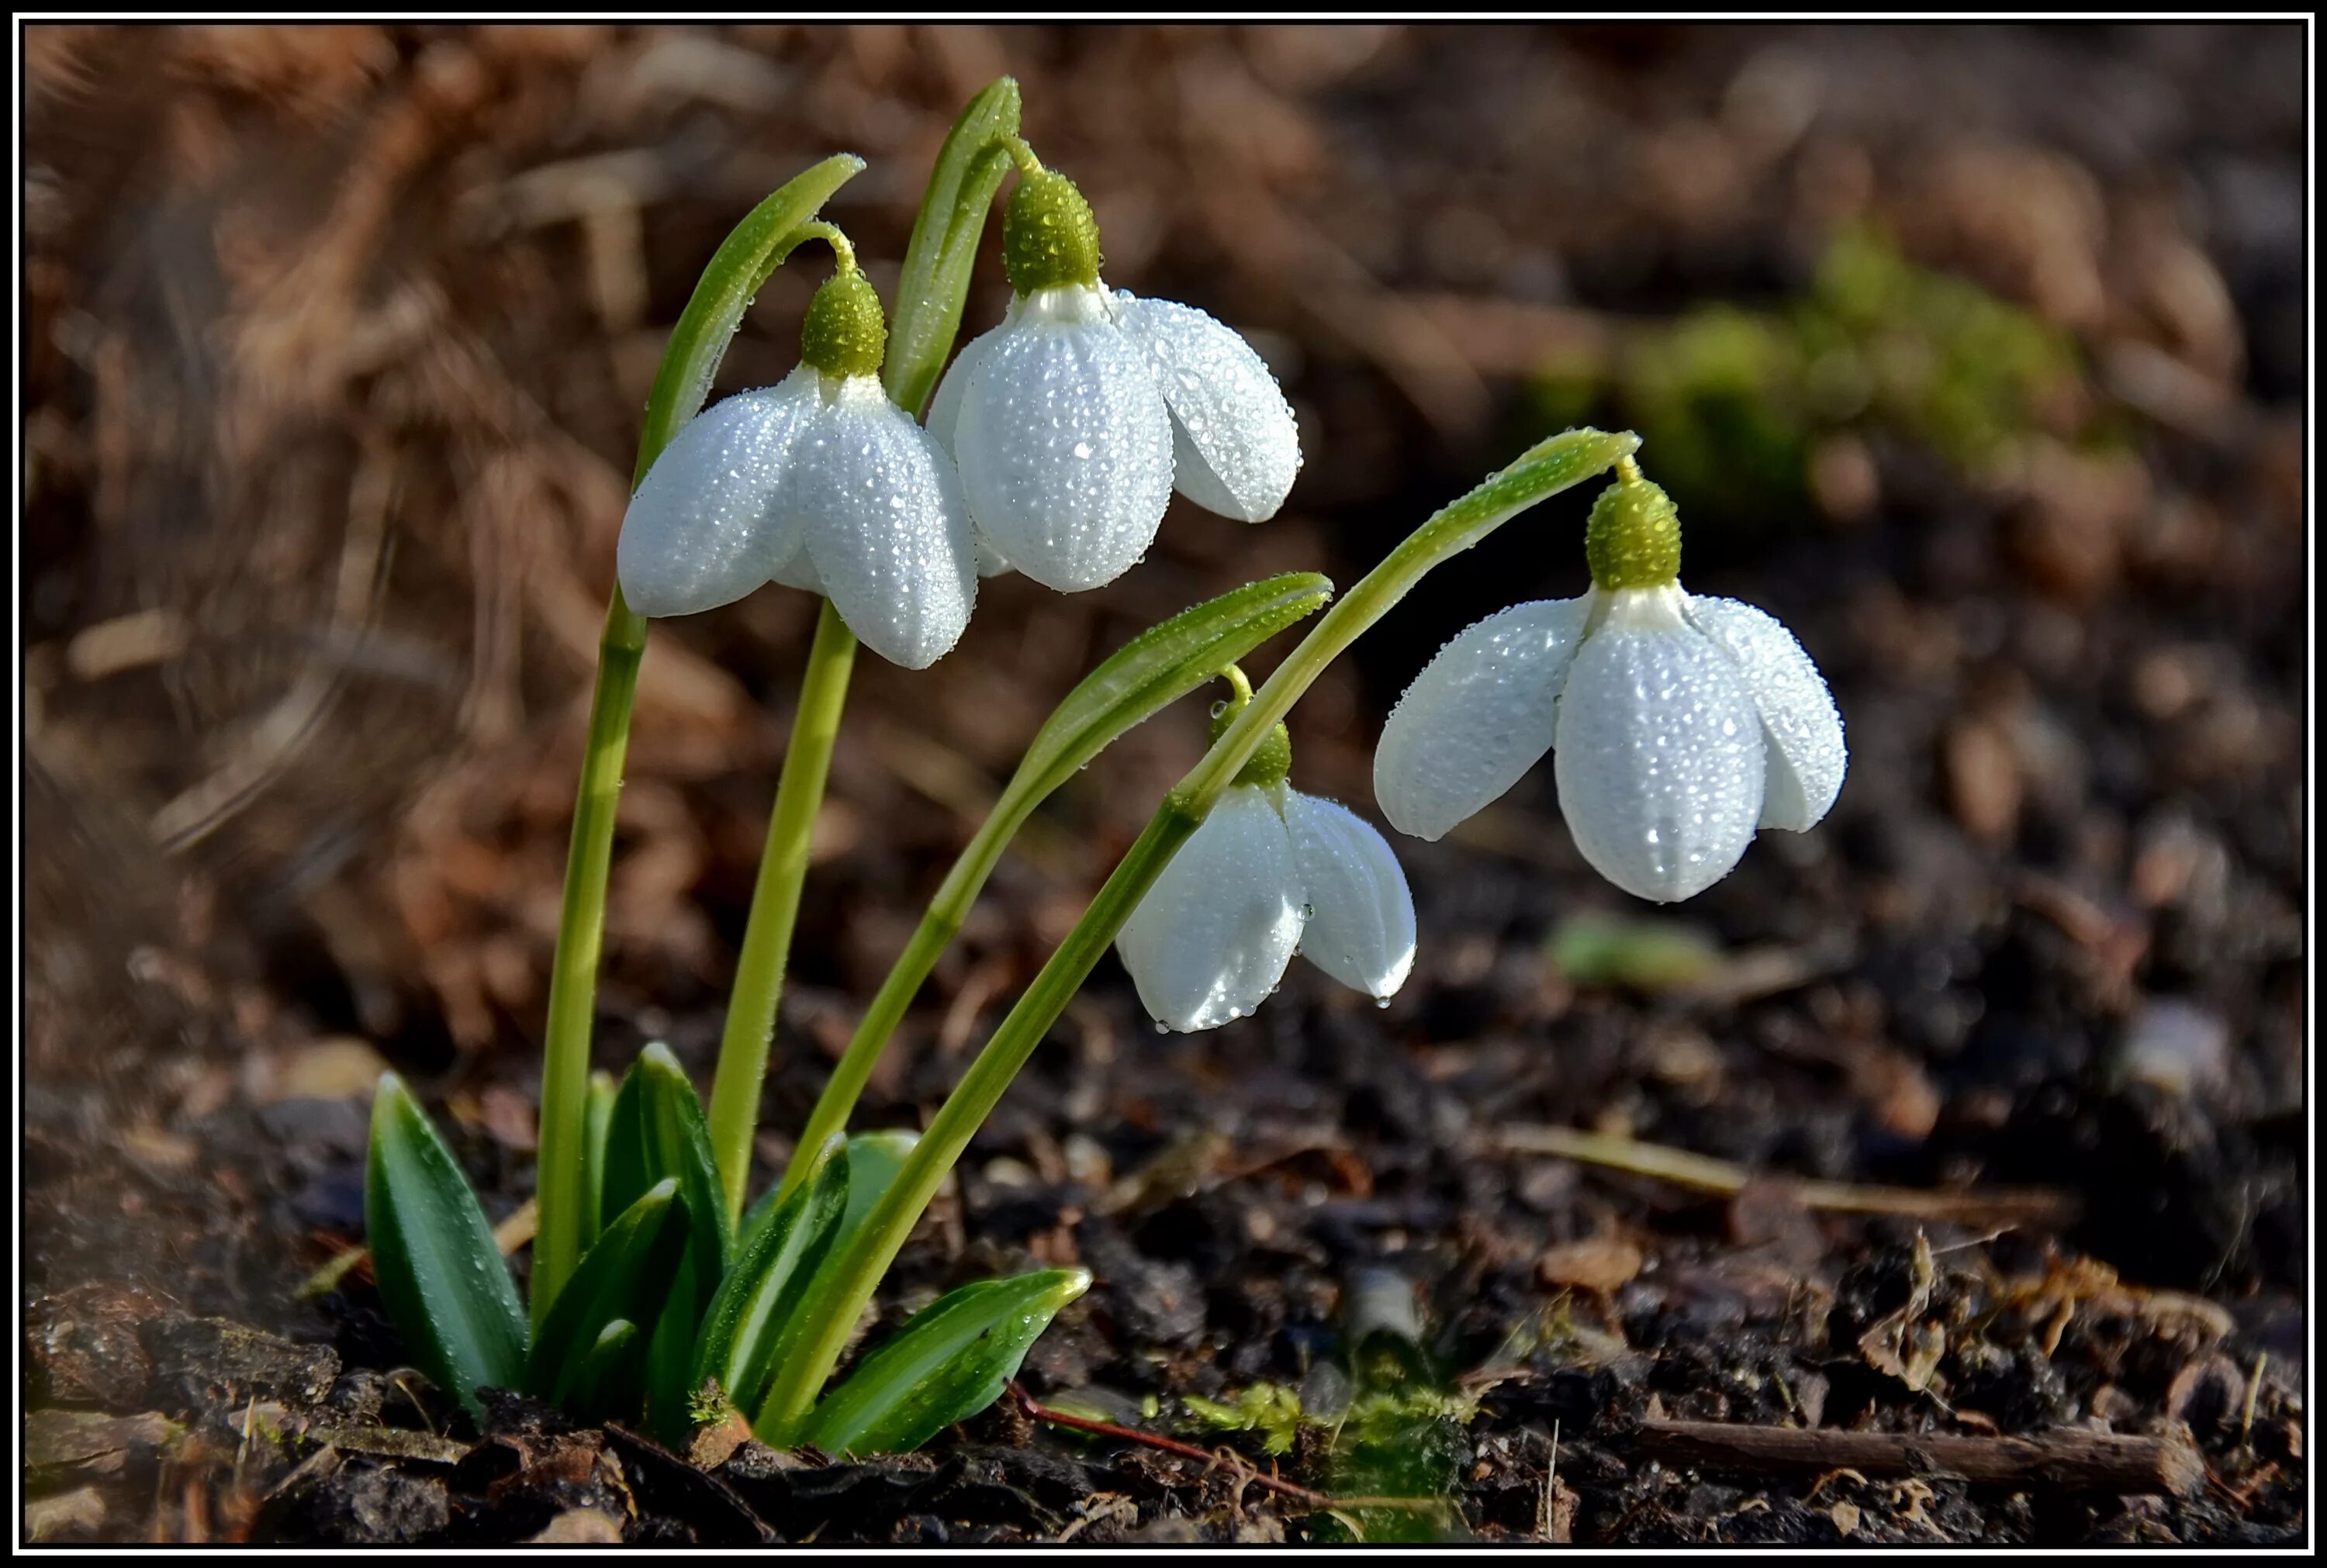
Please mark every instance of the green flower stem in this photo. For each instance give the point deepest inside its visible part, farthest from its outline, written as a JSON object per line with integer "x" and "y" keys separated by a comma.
{"x": 775, "y": 904}
{"x": 1551, "y": 466}
{"x": 939, "y": 925}
{"x": 682, "y": 381}
{"x": 932, "y": 286}
{"x": 574, "y": 971}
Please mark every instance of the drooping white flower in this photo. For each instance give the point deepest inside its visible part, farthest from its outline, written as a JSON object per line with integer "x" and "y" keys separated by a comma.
{"x": 1073, "y": 420}
{"x": 1681, "y": 724}
{"x": 819, "y": 483}
{"x": 1269, "y": 874}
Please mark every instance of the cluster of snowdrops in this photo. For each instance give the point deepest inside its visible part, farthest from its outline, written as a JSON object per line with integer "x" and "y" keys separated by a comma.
{"x": 1678, "y": 725}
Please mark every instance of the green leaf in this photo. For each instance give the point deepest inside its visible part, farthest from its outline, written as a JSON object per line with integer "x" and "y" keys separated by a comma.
{"x": 602, "y": 1380}
{"x": 873, "y": 1158}
{"x": 935, "y": 281}
{"x": 597, "y": 1114}
{"x": 1162, "y": 663}
{"x": 764, "y": 1290}
{"x": 722, "y": 296}
{"x": 874, "y": 1161}
{"x": 626, "y": 1275}
{"x": 442, "y": 1280}
{"x": 946, "y": 1365}
{"x": 655, "y": 1129}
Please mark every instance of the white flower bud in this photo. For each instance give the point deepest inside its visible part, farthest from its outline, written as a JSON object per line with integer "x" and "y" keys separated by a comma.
{"x": 1270, "y": 873}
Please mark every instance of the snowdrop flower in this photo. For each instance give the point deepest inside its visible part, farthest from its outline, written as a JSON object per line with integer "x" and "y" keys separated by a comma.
{"x": 1681, "y": 723}
{"x": 818, "y": 483}
{"x": 1074, "y": 419}
{"x": 1270, "y": 873}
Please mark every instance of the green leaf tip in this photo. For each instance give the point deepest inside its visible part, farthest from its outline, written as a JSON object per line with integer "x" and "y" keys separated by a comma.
{"x": 949, "y": 1362}
{"x": 747, "y": 255}
{"x": 935, "y": 278}
{"x": 441, "y": 1277}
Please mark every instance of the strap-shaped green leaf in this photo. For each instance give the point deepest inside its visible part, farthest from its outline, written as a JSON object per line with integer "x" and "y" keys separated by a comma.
{"x": 655, "y": 1129}
{"x": 626, "y": 1275}
{"x": 757, "y": 1301}
{"x": 442, "y": 1280}
{"x": 935, "y": 281}
{"x": 874, "y": 1161}
{"x": 603, "y": 1381}
{"x": 1162, "y": 663}
{"x": 947, "y": 1364}
{"x": 597, "y": 1116}
{"x": 873, "y": 1158}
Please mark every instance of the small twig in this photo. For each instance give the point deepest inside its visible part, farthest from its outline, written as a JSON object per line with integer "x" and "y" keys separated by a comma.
{"x": 2064, "y": 1460}
{"x": 1036, "y": 1411}
{"x": 1550, "y": 1485}
{"x": 2002, "y": 1205}
{"x": 2254, "y": 1391}
{"x": 1212, "y": 1459}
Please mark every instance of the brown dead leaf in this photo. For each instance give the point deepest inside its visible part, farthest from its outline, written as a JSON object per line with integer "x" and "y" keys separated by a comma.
{"x": 1905, "y": 1344}
{"x": 1599, "y": 1262}
{"x": 337, "y": 1067}
{"x": 581, "y": 1527}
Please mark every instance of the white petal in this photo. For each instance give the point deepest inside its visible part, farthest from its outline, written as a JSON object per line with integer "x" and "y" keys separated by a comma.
{"x": 1211, "y": 938}
{"x": 945, "y": 408}
{"x": 1476, "y": 717}
{"x": 991, "y": 562}
{"x": 887, "y": 534}
{"x": 1802, "y": 729}
{"x": 702, "y": 529}
{"x": 1360, "y": 927}
{"x": 1235, "y": 447}
{"x": 799, "y": 572}
{"x": 1065, "y": 450}
{"x": 1659, "y": 752}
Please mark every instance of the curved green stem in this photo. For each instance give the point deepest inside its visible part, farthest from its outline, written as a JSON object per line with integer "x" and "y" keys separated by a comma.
{"x": 574, "y": 970}
{"x": 682, "y": 381}
{"x": 941, "y": 923}
{"x": 775, "y": 903}
{"x": 1544, "y": 471}
{"x": 932, "y": 288}
{"x": 1156, "y": 667}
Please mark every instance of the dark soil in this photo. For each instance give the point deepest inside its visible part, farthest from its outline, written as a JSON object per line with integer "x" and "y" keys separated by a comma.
{"x": 335, "y": 343}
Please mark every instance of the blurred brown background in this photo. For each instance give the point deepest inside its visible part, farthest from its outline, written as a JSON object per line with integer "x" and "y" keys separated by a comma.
{"x": 1974, "y": 353}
